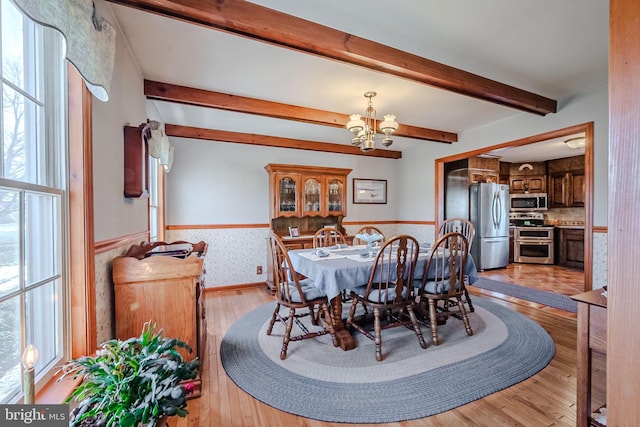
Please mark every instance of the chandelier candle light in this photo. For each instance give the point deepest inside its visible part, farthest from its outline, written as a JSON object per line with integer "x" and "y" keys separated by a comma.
{"x": 364, "y": 131}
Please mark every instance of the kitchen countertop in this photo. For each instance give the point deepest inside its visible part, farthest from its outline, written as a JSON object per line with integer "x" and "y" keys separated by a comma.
{"x": 572, "y": 226}
{"x": 577, "y": 225}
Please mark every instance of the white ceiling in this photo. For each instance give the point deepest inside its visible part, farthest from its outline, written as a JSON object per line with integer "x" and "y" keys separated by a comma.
{"x": 556, "y": 49}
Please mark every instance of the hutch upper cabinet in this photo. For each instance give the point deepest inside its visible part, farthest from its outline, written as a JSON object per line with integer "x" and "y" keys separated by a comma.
{"x": 301, "y": 191}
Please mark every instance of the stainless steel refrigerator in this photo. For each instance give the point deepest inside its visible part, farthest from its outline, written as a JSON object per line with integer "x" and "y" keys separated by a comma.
{"x": 489, "y": 213}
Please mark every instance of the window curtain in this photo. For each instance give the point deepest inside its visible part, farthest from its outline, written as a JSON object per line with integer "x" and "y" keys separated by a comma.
{"x": 90, "y": 39}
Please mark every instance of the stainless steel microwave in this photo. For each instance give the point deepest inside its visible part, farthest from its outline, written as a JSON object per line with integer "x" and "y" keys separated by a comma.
{"x": 529, "y": 202}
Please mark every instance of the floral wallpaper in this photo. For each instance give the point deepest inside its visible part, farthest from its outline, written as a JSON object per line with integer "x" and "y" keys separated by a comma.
{"x": 105, "y": 306}
{"x": 599, "y": 264}
{"x": 228, "y": 245}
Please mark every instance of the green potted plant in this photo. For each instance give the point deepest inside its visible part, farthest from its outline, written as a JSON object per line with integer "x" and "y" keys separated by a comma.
{"x": 132, "y": 383}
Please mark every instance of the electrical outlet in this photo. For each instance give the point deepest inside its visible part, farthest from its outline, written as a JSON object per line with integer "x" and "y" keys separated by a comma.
{"x": 259, "y": 269}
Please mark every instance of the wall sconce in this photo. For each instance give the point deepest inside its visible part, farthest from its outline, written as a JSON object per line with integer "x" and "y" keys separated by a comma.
{"x": 29, "y": 359}
{"x": 159, "y": 146}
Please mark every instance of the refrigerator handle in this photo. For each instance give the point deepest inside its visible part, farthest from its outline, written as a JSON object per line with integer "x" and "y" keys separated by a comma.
{"x": 494, "y": 210}
{"x": 499, "y": 210}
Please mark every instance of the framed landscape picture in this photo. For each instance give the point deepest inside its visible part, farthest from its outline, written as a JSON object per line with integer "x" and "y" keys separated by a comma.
{"x": 369, "y": 191}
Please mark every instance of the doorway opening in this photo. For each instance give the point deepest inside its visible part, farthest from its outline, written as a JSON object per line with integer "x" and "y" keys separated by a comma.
{"x": 586, "y": 182}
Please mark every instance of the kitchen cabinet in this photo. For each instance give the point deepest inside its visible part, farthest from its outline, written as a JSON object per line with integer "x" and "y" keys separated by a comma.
{"x": 531, "y": 184}
{"x": 483, "y": 169}
{"x": 511, "y": 244}
{"x": 503, "y": 177}
{"x": 566, "y": 182}
{"x": 570, "y": 247}
{"x": 298, "y": 191}
{"x": 566, "y": 190}
{"x": 478, "y": 175}
{"x": 528, "y": 177}
{"x": 577, "y": 189}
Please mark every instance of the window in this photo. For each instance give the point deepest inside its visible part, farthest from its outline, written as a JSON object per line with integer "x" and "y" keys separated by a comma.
{"x": 154, "y": 223}
{"x": 33, "y": 199}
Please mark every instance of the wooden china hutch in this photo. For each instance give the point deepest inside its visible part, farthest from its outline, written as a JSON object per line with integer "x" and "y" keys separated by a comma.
{"x": 305, "y": 198}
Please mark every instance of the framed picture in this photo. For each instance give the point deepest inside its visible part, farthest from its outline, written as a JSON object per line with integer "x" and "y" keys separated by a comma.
{"x": 294, "y": 232}
{"x": 369, "y": 191}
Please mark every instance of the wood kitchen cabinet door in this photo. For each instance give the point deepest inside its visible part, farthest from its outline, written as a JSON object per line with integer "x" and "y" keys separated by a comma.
{"x": 571, "y": 248}
{"x": 577, "y": 189}
{"x": 557, "y": 190}
{"x": 566, "y": 190}
{"x": 532, "y": 184}
{"x": 476, "y": 175}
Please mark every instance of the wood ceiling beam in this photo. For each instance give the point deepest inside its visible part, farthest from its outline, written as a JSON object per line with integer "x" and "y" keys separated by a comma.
{"x": 206, "y": 98}
{"x": 273, "y": 141}
{"x": 260, "y": 23}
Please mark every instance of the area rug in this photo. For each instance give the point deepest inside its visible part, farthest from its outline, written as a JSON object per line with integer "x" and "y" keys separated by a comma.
{"x": 551, "y": 299}
{"x": 322, "y": 382}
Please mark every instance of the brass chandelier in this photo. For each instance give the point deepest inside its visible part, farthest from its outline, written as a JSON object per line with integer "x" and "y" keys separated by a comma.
{"x": 364, "y": 131}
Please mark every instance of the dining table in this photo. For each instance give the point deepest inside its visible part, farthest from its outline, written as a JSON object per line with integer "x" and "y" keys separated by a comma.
{"x": 342, "y": 267}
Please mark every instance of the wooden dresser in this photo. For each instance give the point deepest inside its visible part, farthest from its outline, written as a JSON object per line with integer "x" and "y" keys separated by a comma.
{"x": 591, "y": 355}
{"x": 165, "y": 290}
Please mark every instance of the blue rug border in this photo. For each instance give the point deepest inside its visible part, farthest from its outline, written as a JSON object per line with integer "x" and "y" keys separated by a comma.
{"x": 539, "y": 296}
{"x": 503, "y": 366}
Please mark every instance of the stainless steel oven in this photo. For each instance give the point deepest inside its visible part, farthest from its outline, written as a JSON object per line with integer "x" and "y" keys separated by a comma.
{"x": 533, "y": 245}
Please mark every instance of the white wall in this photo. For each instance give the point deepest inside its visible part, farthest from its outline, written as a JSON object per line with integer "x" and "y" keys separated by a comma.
{"x": 116, "y": 215}
{"x": 419, "y": 191}
{"x": 224, "y": 183}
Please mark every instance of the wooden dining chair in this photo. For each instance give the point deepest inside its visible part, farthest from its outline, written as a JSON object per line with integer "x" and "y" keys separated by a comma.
{"x": 300, "y": 296}
{"x": 368, "y": 230}
{"x": 465, "y": 227}
{"x": 443, "y": 280}
{"x": 389, "y": 292}
{"x": 460, "y": 225}
{"x": 328, "y": 236}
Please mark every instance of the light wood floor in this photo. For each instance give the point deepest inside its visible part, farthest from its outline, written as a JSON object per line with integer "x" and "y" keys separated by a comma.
{"x": 546, "y": 399}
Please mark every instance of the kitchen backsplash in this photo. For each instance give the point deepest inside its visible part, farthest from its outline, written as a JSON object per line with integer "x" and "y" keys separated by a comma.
{"x": 564, "y": 216}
